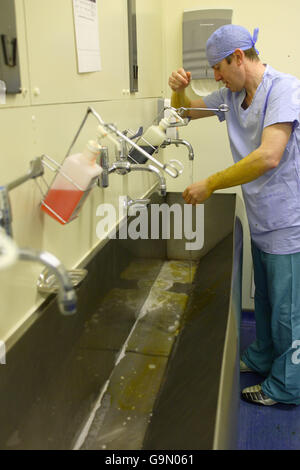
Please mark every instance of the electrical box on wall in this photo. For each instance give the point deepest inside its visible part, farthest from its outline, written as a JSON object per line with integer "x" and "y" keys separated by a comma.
{"x": 198, "y": 25}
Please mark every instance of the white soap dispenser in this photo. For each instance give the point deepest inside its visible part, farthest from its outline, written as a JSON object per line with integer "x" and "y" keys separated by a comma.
{"x": 153, "y": 137}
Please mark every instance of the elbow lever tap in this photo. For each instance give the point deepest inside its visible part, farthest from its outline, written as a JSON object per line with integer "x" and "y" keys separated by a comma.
{"x": 222, "y": 108}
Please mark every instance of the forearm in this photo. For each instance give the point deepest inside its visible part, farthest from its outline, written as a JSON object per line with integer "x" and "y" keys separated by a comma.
{"x": 265, "y": 158}
{"x": 178, "y": 82}
{"x": 180, "y": 100}
{"x": 248, "y": 169}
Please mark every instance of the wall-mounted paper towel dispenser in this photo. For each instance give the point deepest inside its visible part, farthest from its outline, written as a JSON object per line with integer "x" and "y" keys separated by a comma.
{"x": 198, "y": 25}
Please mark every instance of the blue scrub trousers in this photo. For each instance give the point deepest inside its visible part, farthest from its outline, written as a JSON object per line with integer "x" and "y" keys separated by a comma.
{"x": 276, "y": 351}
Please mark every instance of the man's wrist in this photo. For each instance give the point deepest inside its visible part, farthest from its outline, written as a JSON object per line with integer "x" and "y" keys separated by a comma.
{"x": 179, "y": 99}
{"x": 211, "y": 183}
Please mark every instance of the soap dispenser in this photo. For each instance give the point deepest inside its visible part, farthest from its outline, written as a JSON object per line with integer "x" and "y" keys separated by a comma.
{"x": 72, "y": 184}
{"x": 153, "y": 138}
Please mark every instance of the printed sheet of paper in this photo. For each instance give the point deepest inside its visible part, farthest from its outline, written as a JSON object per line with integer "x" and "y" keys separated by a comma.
{"x": 87, "y": 35}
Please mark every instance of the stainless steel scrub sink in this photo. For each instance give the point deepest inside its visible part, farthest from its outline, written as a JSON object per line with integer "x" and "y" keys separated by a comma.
{"x": 142, "y": 359}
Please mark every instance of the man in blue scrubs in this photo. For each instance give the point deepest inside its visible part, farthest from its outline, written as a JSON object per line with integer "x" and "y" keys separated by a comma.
{"x": 264, "y": 134}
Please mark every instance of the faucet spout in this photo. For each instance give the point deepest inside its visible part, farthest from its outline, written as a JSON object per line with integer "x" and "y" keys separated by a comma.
{"x": 180, "y": 142}
{"x": 66, "y": 295}
{"x": 124, "y": 167}
{"x": 153, "y": 169}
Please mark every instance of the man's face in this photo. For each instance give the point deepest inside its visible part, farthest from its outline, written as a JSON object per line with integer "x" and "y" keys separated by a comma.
{"x": 230, "y": 74}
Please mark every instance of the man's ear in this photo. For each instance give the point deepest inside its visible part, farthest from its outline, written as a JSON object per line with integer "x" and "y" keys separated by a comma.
{"x": 239, "y": 56}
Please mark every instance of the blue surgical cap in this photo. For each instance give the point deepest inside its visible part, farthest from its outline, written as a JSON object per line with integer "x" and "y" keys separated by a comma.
{"x": 225, "y": 40}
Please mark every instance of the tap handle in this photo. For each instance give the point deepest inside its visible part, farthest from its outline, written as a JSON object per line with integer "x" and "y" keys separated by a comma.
{"x": 174, "y": 172}
{"x": 173, "y": 163}
{"x": 224, "y": 108}
{"x": 133, "y": 135}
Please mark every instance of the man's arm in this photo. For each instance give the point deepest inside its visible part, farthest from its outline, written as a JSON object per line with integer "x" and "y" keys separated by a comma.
{"x": 266, "y": 157}
{"x": 178, "y": 82}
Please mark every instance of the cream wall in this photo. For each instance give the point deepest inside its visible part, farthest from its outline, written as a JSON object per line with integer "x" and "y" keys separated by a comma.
{"x": 43, "y": 119}
{"x": 278, "y": 44}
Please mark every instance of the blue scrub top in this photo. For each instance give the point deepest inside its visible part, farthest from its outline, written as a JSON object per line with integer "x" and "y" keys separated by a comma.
{"x": 273, "y": 200}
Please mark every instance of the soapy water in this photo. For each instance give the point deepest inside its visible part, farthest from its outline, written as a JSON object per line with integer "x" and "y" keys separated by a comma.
{"x": 62, "y": 202}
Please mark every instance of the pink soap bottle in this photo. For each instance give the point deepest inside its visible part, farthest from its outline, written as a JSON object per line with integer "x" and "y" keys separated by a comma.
{"x": 72, "y": 184}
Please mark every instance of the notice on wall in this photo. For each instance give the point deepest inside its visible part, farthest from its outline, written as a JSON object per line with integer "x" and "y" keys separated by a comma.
{"x": 87, "y": 35}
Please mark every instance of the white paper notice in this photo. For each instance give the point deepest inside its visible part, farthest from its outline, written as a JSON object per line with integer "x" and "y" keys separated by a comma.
{"x": 87, "y": 35}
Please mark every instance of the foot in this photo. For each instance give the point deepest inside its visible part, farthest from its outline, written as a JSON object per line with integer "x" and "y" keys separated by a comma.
{"x": 255, "y": 394}
{"x": 244, "y": 367}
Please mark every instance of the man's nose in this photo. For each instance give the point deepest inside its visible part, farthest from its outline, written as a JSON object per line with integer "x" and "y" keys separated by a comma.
{"x": 218, "y": 76}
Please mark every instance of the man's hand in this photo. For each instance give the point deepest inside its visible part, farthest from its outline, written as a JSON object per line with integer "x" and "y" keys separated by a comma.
{"x": 197, "y": 193}
{"x": 179, "y": 80}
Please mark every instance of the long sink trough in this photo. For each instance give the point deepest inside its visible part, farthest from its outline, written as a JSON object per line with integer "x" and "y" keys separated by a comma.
{"x": 150, "y": 360}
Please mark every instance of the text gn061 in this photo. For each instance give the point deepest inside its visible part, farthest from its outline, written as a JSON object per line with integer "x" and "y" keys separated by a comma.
{"x": 152, "y": 459}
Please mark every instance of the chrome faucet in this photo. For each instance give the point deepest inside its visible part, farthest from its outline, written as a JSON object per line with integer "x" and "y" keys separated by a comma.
{"x": 10, "y": 253}
{"x": 179, "y": 142}
{"x": 124, "y": 167}
{"x": 66, "y": 296}
{"x": 153, "y": 169}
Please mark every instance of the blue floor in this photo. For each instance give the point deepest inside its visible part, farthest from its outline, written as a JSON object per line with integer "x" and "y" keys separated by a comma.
{"x": 274, "y": 427}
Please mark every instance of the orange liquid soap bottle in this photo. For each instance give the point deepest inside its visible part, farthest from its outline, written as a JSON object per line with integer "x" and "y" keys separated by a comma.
{"x": 65, "y": 197}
